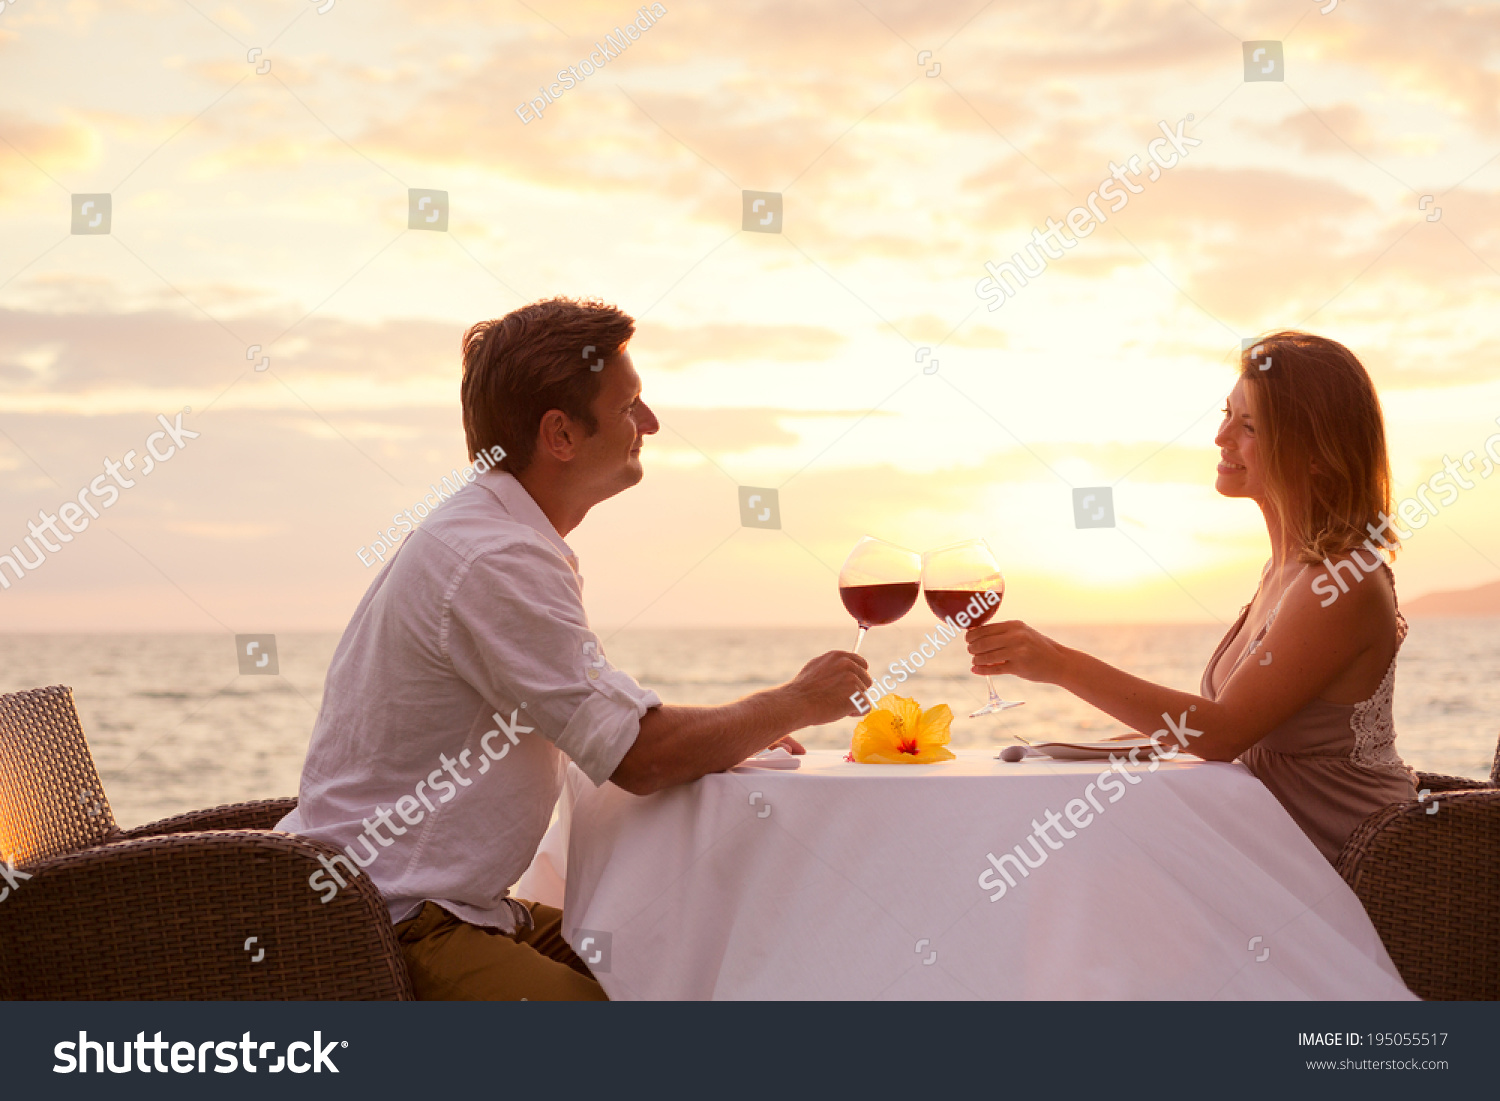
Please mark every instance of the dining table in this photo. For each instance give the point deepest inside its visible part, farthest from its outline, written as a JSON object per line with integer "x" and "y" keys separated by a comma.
{"x": 972, "y": 878}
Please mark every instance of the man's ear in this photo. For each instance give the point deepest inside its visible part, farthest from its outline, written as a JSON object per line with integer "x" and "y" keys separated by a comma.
{"x": 557, "y": 435}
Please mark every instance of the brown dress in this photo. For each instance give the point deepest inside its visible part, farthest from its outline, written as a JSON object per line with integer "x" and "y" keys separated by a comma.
{"x": 1331, "y": 765}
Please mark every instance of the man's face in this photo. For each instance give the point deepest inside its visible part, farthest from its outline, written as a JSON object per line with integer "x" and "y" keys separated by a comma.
{"x": 610, "y": 459}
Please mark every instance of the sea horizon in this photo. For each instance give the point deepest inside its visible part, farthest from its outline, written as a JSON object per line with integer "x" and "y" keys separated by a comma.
{"x": 175, "y": 726}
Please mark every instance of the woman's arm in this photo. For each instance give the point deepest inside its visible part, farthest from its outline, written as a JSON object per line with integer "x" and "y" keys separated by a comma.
{"x": 1306, "y": 649}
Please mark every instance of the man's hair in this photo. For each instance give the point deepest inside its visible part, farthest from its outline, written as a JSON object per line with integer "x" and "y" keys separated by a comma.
{"x": 1315, "y": 407}
{"x": 534, "y": 359}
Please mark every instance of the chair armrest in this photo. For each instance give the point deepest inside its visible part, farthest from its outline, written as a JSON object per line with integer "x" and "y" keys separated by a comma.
{"x": 263, "y": 814}
{"x": 170, "y": 917}
{"x": 1437, "y": 781}
{"x": 1429, "y": 882}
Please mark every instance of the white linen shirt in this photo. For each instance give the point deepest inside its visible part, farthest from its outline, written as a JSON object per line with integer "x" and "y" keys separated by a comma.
{"x": 478, "y": 616}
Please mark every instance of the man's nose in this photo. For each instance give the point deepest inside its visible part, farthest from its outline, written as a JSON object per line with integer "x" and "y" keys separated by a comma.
{"x": 645, "y": 420}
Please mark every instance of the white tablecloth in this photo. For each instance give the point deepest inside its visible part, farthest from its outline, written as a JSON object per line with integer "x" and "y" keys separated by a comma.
{"x": 841, "y": 880}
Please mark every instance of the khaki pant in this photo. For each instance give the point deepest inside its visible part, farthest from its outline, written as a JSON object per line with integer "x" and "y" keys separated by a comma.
{"x": 451, "y": 960}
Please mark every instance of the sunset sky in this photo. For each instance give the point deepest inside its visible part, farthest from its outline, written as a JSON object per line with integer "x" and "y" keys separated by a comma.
{"x": 270, "y": 208}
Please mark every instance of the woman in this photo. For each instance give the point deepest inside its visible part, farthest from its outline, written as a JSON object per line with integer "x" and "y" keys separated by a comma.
{"x": 1300, "y": 688}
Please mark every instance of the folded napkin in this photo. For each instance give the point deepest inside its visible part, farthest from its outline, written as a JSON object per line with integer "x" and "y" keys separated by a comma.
{"x": 775, "y": 757}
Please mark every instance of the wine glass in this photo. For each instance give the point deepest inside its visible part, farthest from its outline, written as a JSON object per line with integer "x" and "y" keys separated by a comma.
{"x": 966, "y": 578}
{"x": 879, "y": 583}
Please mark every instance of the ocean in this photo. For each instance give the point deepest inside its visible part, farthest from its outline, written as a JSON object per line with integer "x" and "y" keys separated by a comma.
{"x": 174, "y": 726}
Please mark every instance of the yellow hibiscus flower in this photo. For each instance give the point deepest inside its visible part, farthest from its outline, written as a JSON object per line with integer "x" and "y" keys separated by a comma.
{"x": 899, "y": 732}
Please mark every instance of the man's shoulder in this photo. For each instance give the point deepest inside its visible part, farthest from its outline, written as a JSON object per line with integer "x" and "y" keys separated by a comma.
{"x": 473, "y": 526}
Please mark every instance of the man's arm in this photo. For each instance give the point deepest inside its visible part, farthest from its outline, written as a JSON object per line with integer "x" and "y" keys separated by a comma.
{"x": 679, "y": 744}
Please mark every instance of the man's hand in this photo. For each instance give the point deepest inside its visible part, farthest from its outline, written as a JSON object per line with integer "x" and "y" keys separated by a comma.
{"x": 790, "y": 744}
{"x": 824, "y": 686}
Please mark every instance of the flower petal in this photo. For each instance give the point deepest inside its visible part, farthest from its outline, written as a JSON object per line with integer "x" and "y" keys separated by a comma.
{"x": 934, "y": 726}
{"x": 907, "y": 710}
{"x": 877, "y": 733}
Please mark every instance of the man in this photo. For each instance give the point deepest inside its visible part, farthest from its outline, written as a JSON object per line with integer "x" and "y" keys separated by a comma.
{"x": 468, "y": 675}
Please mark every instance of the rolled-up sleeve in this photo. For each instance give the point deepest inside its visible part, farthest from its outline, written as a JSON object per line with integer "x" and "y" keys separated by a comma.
{"x": 514, "y": 629}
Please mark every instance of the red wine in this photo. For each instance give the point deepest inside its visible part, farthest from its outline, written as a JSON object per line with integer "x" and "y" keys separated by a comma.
{"x": 877, "y": 605}
{"x": 946, "y": 602}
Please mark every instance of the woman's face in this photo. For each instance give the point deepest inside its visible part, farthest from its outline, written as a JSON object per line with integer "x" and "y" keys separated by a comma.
{"x": 1239, "y": 459}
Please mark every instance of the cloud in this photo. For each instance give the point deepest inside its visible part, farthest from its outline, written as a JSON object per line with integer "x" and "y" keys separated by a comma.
{"x": 1333, "y": 130}
{"x": 671, "y": 347}
{"x": 32, "y": 150}
{"x": 78, "y": 353}
{"x": 283, "y": 205}
{"x": 1436, "y": 54}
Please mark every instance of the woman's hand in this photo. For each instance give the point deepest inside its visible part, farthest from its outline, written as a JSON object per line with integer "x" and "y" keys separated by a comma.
{"x": 1013, "y": 647}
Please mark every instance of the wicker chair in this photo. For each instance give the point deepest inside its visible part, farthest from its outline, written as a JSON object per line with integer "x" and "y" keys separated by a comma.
{"x": 1437, "y": 782}
{"x": 167, "y": 910}
{"x": 1430, "y": 881}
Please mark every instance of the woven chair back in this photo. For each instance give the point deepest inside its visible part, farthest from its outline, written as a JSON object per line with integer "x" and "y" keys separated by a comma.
{"x": 51, "y": 799}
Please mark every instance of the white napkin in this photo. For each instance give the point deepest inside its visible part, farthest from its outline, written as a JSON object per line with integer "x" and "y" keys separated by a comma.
{"x": 775, "y": 757}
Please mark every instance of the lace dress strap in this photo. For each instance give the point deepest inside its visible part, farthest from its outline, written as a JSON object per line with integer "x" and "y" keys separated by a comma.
{"x": 1401, "y": 627}
{"x": 1373, "y": 720}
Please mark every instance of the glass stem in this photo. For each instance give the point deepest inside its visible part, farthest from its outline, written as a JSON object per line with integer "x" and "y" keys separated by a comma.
{"x": 994, "y": 696}
{"x": 859, "y": 641}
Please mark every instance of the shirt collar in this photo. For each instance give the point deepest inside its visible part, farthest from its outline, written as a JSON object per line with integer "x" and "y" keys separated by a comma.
{"x": 523, "y": 507}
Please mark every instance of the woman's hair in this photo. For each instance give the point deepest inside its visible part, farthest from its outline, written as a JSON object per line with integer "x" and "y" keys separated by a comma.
{"x": 1323, "y": 452}
{"x": 547, "y": 355}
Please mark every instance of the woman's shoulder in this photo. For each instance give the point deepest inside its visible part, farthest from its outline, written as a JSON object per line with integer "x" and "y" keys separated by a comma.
{"x": 1348, "y": 589}
{"x": 1352, "y": 635}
